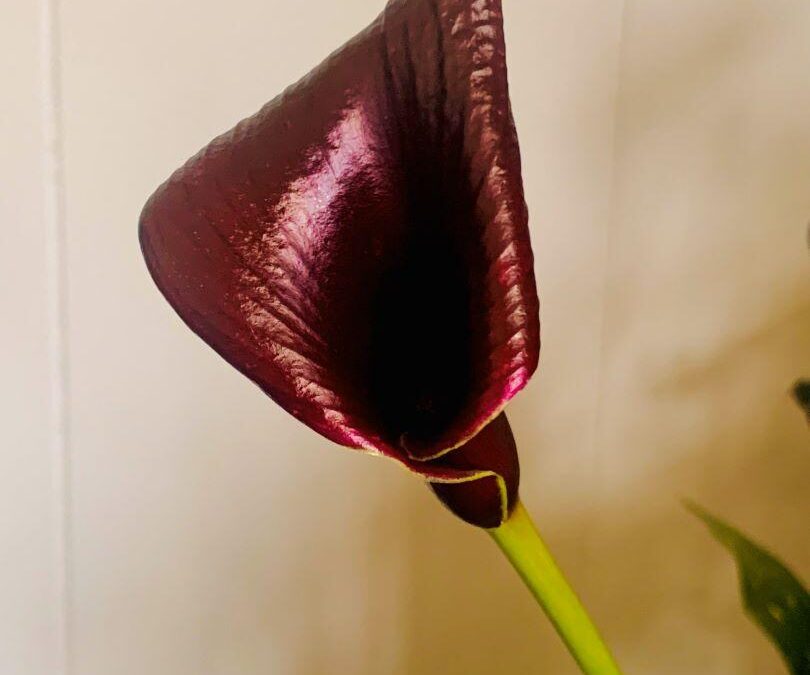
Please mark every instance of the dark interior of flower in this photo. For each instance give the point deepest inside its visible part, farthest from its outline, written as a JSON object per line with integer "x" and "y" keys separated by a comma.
{"x": 421, "y": 360}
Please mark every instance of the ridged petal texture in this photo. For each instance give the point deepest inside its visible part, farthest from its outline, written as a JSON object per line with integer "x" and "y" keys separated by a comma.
{"x": 359, "y": 249}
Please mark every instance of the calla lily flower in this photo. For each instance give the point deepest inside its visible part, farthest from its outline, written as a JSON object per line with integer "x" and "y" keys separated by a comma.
{"x": 359, "y": 248}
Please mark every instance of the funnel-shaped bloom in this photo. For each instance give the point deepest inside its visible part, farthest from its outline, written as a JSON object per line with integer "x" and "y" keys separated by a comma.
{"x": 359, "y": 249}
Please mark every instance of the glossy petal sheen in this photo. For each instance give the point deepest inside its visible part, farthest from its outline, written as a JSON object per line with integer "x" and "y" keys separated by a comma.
{"x": 359, "y": 247}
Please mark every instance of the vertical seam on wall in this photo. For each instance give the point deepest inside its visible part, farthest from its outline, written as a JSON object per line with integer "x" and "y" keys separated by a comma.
{"x": 607, "y": 244}
{"x": 597, "y": 452}
{"x": 55, "y": 269}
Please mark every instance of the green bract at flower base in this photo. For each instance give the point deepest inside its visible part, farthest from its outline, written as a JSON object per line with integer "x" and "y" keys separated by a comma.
{"x": 359, "y": 248}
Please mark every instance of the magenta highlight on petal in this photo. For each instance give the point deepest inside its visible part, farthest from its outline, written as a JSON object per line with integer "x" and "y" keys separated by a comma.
{"x": 359, "y": 248}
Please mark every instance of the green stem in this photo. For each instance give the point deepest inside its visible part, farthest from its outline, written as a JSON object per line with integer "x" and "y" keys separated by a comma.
{"x": 521, "y": 542}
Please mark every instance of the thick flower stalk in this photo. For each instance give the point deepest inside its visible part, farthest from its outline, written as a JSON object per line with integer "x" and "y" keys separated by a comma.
{"x": 359, "y": 248}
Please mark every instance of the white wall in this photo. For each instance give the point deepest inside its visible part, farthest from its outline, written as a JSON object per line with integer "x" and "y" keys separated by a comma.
{"x": 31, "y": 486}
{"x": 159, "y": 515}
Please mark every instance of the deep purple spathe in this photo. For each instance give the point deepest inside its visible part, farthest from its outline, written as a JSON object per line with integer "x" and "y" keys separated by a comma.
{"x": 359, "y": 248}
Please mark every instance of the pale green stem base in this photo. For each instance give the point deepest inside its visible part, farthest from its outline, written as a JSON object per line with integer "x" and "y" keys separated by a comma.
{"x": 520, "y": 541}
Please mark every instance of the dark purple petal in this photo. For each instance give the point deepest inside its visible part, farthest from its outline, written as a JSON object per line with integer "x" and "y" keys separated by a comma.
{"x": 359, "y": 247}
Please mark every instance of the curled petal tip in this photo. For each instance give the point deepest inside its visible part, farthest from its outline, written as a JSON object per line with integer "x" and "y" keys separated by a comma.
{"x": 487, "y": 498}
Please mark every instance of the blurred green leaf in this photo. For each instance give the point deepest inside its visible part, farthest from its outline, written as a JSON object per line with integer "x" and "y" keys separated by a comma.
{"x": 773, "y": 596}
{"x": 801, "y": 392}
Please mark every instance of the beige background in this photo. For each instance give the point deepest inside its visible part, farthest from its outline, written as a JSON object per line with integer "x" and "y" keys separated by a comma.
{"x": 158, "y": 515}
